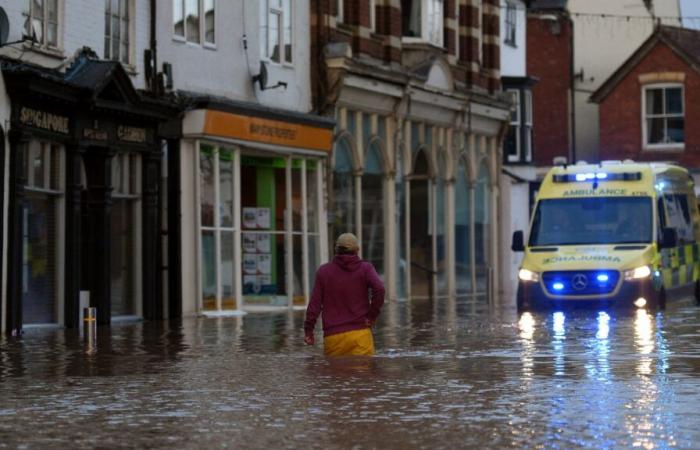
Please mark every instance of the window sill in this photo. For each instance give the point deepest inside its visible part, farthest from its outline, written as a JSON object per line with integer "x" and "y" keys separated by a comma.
{"x": 284, "y": 65}
{"x": 663, "y": 147}
{"x": 420, "y": 42}
{"x": 53, "y": 52}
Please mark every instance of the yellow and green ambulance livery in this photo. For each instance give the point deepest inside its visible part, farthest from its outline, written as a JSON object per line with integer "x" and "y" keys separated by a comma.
{"x": 618, "y": 233}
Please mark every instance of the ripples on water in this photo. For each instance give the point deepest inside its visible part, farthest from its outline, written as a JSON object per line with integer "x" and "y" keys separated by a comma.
{"x": 448, "y": 374}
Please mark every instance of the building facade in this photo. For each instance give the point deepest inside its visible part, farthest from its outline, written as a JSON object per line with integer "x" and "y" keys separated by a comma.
{"x": 414, "y": 87}
{"x": 81, "y": 165}
{"x": 247, "y": 179}
{"x": 648, "y": 106}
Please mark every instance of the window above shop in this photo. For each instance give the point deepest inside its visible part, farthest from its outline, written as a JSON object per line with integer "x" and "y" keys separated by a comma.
{"x": 276, "y": 37}
{"x": 518, "y": 142}
{"x": 42, "y": 22}
{"x": 195, "y": 21}
{"x": 663, "y": 122}
{"x": 422, "y": 21}
{"x": 511, "y": 26}
{"x": 118, "y": 34}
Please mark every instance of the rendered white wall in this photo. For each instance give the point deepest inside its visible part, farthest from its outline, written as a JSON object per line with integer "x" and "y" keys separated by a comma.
{"x": 227, "y": 69}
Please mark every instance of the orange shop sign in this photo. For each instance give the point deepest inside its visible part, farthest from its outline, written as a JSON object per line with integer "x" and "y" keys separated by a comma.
{"x": 267, "y": 131}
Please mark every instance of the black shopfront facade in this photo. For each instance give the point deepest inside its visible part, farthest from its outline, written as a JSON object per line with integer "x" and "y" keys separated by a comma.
{"x": 84, "y": 195}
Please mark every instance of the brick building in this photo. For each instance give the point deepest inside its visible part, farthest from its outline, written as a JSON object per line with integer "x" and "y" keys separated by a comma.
{"x": 648, "y": 106}
{"x": 415, "y": 88}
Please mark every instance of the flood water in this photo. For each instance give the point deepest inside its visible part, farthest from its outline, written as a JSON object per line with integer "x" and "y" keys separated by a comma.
{"x": 449, "y": 373}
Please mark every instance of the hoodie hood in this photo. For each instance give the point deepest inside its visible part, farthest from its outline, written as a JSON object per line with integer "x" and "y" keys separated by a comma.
{"x": 348, "y": 263}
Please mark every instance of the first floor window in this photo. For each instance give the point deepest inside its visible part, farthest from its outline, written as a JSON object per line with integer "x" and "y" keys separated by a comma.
{"x": 511, "y": 25}
{"x": 41, "y": 21}
{"x": 518, "y": 143}
{"x": 664, "y": 117}
{"x": 276, "y": 30}
{"x": 423, "y": 19}
{"x": 117, "y": 30}
{"x": 195, "y": 20}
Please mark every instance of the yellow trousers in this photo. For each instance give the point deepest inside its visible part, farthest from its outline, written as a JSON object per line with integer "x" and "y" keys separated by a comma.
{"x": 355, "y": 342}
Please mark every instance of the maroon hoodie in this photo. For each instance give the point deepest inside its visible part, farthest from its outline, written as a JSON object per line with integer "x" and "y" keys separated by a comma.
{"x": 347, "y": 291}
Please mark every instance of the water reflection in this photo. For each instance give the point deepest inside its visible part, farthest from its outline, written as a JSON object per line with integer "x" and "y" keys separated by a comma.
{"x": 455, "y": 377}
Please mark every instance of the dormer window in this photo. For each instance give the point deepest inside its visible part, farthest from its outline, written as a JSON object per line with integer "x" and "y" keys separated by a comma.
{"x": 423, "y": 21}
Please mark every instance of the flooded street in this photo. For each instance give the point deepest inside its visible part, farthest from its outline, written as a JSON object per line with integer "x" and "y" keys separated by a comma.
{"x": 448, "y": 374}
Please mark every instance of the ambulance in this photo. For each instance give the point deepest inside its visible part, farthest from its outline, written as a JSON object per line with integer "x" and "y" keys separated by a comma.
{"x": 618, "y": 233}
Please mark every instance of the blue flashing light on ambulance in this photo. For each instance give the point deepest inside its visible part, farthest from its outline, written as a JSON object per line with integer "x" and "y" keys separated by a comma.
{"x": 614, "y": 233}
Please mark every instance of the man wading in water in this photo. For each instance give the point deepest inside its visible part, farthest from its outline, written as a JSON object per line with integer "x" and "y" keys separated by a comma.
{"x": 349, "y": 294}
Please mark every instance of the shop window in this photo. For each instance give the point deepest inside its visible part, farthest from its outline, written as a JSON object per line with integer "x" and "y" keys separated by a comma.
{"x": 664, "y": 117}
{"x": 276, "y": 38}
{"x": 343, "y": 189}
{"x": 463, "y": 223}
{"x": 511, "y": 23}
{"x": 482, "y": 227}
{"x": 118, "y": 30}
{"x": 41, "y": 220}
{"x": 42, "y": 22}
{"x": 124, "y": 234}
{"x": 373, "y": 208}
{"x": 217, "y": 210}
{"x": 440, "y": 222}
{"x": 195, "y": 20}
{"x": 423, "y": 20}
{"x": 400, "y": 219}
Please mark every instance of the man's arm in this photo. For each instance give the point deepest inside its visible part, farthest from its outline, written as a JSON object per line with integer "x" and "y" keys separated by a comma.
{"x": 377, "y": 288}
{"x": 314, "y": 308}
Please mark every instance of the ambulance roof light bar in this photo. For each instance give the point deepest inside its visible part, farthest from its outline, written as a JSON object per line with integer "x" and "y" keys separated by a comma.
{"x": 597, "y": 176}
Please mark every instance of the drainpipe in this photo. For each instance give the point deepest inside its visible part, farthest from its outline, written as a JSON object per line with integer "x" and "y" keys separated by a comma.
{"x": 154, "y": 57}
{"x": 572, "y": 80}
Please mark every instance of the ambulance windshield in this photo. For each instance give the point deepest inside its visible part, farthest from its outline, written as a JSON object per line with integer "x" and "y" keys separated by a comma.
{"x": 592, "y": 220}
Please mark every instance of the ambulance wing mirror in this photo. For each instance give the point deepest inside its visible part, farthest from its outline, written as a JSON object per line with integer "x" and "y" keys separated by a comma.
{"x": 669, "y": 238}
{"x": 518, "y": 244}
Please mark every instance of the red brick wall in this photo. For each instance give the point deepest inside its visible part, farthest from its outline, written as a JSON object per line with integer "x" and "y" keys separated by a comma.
{"x": 621, "y": 112}
{"x": 549, "y": 58}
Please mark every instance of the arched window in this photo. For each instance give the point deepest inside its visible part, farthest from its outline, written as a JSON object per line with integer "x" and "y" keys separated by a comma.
{"x": 373, "y": 208}
{"x": 343, "y": 188}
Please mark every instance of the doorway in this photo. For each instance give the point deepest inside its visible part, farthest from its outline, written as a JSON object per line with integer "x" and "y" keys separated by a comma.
{"x": 422, "y": 271}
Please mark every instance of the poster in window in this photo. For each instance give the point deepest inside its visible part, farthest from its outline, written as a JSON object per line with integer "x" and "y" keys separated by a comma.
{"x": 249, "y": 217}
{"x": 250, "y": 285}
{"x": 266, "y": 285}
{"x": 263, "y": 218}
{"x": 264, "y": 264}
{"x": 263, "y": 243}
{"x": 249, "y": 243}
{"x": 250, "y": 263}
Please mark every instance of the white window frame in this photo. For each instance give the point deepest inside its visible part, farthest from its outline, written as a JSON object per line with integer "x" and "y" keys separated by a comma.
{"x": 480, "y": 23}
{"x": 180, "y": 4}
{"x": 516, "y": 125}
{"x": 279, "y": 11}
{"x": 528, "y": 123}
{"x": 457, "y": 25}
{"x": 373, "y": 15}
{"x": 511, "y": 25}
{"x": 426, "y": 29}
{"x": 340, "y": 12}
{"x": 129, "y": 35}
{"x": 29, "y": 15}
{"x": 664, "y": 86}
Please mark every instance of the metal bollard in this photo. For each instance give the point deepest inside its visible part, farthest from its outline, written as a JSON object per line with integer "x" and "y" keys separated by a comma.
{"x": 90, "y": 329}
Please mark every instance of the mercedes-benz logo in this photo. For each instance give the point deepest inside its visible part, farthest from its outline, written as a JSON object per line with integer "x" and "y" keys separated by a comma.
{"x": 579, "y": 281}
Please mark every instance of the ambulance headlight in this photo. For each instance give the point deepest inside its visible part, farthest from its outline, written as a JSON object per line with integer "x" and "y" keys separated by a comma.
{"x": 528, "y": 276}
{"x": 638, "y": 273}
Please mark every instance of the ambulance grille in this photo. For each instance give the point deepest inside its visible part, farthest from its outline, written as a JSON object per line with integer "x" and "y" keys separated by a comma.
{"x": 581, "y": 282}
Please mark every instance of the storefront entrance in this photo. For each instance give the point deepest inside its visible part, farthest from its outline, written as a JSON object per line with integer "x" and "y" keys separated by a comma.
{"x": 422, "y": 273}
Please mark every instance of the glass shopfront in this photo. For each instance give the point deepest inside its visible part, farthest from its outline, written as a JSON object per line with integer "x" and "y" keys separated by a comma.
{"x": 259, "y": 227}
{"x": 41, "y": 218}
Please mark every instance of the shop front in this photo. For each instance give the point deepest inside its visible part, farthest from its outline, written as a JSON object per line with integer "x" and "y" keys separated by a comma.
{"x": 258, "y": 228}
{"x": 84, "y": 169}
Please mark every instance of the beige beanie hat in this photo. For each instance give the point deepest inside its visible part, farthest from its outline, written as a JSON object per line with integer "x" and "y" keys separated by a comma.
{"x": 348, "y": 241}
